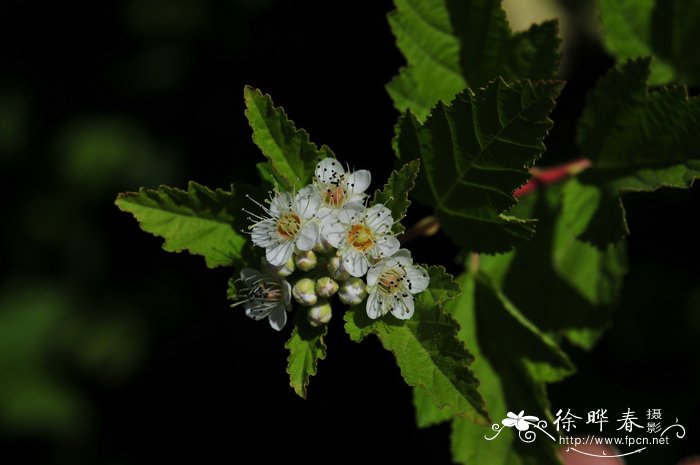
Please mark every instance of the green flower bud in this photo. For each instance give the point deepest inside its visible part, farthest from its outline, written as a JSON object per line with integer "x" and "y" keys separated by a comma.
{"x": 304, "y": 292}
{"x": 306, "y": 261}
{"x": 286, "y": 269}
{"x": 336, "y": 270}
{"x": 320, "y": 314}
{"x": 353, "y": 291}
{"x": 323, "y": 247}
{"x": 326, "y": 287}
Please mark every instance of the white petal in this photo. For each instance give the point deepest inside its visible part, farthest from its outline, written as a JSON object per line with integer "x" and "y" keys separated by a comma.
{"x": 308, "y": 236}
{"x": 264, "y": 234}
{"x": 373, "y": 306}
{"x": 256, "y": 313}
{"x": 278, "y": 318}
{"x": 374, "y": 272}
{"x": 417, "y": 279}
{"x": 358, "y": 182}
{"x": 402, "y": 254}
{"x": 249, "y": 276}
{"x": 355, "y": 263}
{"x": 279, "y": 254}
{"x": 333, "y": 231}
{"x": 403, "y": 306}
{"x": 324, "y": 212}
{"x": 287, "y": 294}
{"x": 307, "y": 202}
{"x": 280, "y": 203}
{"x": 351, "y": 213}
{"x": 329, "y": 171}
{"x": 386, "y": 247}
{"x": 379, "y": 219}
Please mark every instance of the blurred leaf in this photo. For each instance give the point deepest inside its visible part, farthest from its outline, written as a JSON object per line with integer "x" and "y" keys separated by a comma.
{"x": 32, "y": 398}
{"x": 563, "y": 285}
{"x": 101, "y": 153}
{"x": 427, "y": 414}
{"x": 426, "y": 347}
{"x": 475, "y": 152}
{"x": 198, "y": 220}
{"x": 14, "y": 116}
{"x": 292, "y": 155}
{"x": 638, "y": 140}
{"x": 306, "y": 348}
{"x": 513, "y": 360}
{"x": 394, "y": 194}
{"x": 666, "y": 29}
{"x": 450, "y": 45}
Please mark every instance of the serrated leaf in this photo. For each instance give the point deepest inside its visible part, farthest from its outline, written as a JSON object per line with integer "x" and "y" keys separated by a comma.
{"x": 198, "y": 220}
{"x": 426, "y": 347}
{"x": 514, "y": 361}
{"x": 451, "y": 45}
{"x": 394, "y": 195}
{"x": 292, "y": 155}
{"x": 638, "y": 140}
{"x": 563, "y": 285}
{"x": 306, "y": 348}
{"x": 427, "y": 414}
{"x": 475, "y": 152}
{"x": 666, "y": 29}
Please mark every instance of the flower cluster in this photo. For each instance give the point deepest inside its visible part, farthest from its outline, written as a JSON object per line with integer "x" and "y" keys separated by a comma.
{"x": 327, "y": 231}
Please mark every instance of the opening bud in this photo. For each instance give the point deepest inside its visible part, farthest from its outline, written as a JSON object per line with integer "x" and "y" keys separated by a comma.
{"x": 306, "y": 260}
{"x": 320, "y": 314}
{"x": 353, "y": 291}
{"x": 326, "y": 287}
{"x": 304, "y": 292}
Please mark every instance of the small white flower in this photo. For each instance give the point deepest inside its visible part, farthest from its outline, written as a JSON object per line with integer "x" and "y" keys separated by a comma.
{"x": 337, "y": 188}
{"x": 265, "y": 294}
{"x": 288, "y": 222}
{"x": 392, "y": 282}
{"x": 360, "y": 234}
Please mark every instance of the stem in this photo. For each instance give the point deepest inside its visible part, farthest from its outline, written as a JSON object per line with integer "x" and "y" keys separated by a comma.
{"x": 541, "y": 177}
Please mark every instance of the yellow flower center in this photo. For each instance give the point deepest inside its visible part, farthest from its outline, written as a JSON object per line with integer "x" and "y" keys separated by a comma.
{"x": 390, "y": 281}
{"x": 360, "y": 237}
{"x": 334, "y": 196}
{"x": 288, "y": 225}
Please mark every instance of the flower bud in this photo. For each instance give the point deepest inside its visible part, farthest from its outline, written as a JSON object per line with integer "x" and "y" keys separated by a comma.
{"x": 286, "y": 269}
{"x": 320, "y": 314}
{"x": 326, "y": 287}
{"x": 353, "y": 291}
{"x": 323, "y": 247}
{"x": 336, "y": 270}
{"x": 304, "y": 292}
{"x": 306, "y": 261}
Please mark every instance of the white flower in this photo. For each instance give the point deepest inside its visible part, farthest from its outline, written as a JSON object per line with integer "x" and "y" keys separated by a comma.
{"x": 392, "y": 282}
{"x": 360, "y": 234}
{"x": 336, "y": 188}
{"x": 288, "y": 222}
{"x": 265, "y": 294}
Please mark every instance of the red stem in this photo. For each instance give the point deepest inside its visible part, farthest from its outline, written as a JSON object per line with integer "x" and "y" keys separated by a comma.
{"x": 546, "y": 176}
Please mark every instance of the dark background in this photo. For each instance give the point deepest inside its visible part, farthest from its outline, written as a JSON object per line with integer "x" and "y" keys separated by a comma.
{"x": 113, "y": 351}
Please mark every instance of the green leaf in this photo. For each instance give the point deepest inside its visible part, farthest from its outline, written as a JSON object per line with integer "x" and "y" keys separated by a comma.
{"x": 306, "y": 348}
{"x": 666, "y": 29}
{"x": 198, "y": 220}
{"x": 426, "y": 347}
{"x": 292, "y": 155}
{"x": 427, "y": 414}
{"x": 450, "y": 45}
{"x": 638, "y": 140}
{"x": 476, "y": 151}
{"x": 394, "y": 195}
{"x": 563, "y": 285}
{"x": 513, "y": 361}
